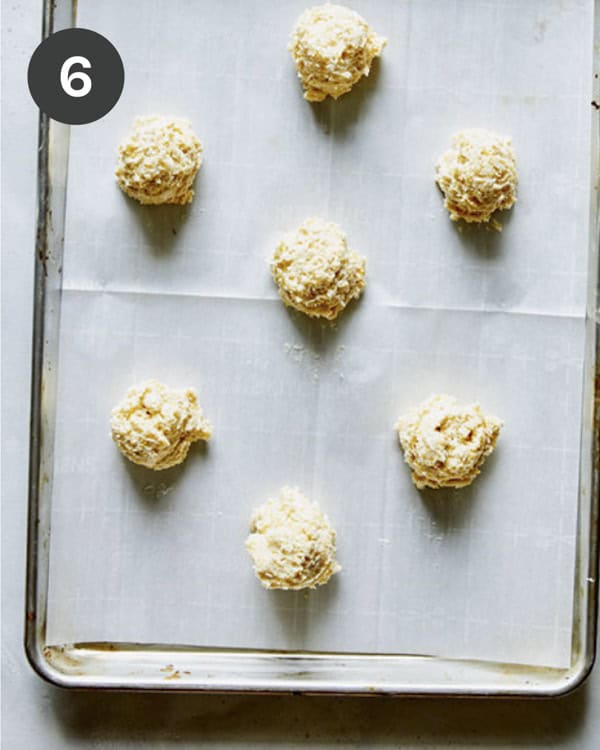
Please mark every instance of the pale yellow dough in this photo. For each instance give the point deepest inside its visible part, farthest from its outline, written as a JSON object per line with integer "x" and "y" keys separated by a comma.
{"x": 292, "y": 543}
{"x": 154, "y": 425}
{"x": 158, "y": 160}
{"x": 478, "y": 175}
{"x": 315, "y": 270}
{"x": 444, "y": 443}
{"x": 333, "y": 48}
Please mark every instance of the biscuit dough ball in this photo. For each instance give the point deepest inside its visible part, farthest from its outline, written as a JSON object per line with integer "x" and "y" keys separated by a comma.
{"x": 333, "y": 48}
{"x": 478, "y": 175}
{"x": 158, "y": 160}
{"x": 291, "y": 544}
{"x": 315, "y": 270}
{"x": 154, "y": 425}
{"x": 444, "y": 443}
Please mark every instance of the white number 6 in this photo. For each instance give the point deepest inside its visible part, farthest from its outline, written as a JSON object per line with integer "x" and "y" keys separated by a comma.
{"x": 66, "y": 80}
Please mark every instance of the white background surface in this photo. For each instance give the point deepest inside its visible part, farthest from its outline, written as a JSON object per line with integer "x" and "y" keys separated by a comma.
{"x": 37, "y": 716}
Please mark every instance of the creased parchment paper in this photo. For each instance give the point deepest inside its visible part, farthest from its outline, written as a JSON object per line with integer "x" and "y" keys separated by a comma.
{"x": 184, "y": 295}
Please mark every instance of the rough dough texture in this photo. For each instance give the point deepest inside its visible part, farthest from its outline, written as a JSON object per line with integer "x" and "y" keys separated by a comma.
{"x": 333, "y": 47}
{"x": 158, "y": 160}
{"x": 154, "y": 425}
{"x": 292, "y": 544}
{"x": 315, "y": 270}
{"x": 478, "y": 175}
{"x": 445, "y": 444}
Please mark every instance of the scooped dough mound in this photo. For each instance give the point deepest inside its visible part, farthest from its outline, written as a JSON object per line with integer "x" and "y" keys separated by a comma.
{"x": 333, "y": 47}
{"x": 158, "y": 160}
{"x": 154, "y": 425}
{"x": 315, "y": 270}
{"x": 478, "y": 175}
{"x": 292, "y": 544}
{"x": 445, "y": 444}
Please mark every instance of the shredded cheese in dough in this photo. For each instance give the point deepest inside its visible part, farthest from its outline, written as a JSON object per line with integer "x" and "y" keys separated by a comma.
{"x": 315, "y": 270}
{"x": 158, "y": 160}
{"x": 333, "y": 48}
{"x": 445, "y": 444}
{"x": 154, "y": 425}
{"x": 478, "y": 176}
{"x": 292, "y": 543}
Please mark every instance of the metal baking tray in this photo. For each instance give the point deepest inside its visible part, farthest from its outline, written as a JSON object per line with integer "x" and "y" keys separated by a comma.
{"x": 156, "y": 666}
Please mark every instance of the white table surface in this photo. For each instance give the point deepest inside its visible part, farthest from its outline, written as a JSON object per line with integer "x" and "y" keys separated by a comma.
{"x": 36, "y": 715}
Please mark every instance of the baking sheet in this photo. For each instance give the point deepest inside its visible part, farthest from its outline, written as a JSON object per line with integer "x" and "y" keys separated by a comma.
{"x": 184, "y": 295}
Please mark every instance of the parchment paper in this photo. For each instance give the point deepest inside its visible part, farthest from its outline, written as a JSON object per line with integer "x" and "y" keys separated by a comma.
{"x": 184, "y": 295}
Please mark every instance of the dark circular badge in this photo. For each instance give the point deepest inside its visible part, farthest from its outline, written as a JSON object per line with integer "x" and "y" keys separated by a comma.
{"x": 76, "y": 76}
